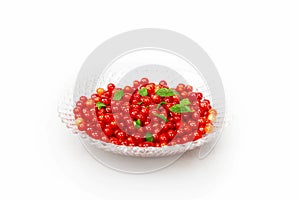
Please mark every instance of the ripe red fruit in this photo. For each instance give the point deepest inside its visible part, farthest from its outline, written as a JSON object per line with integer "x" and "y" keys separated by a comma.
{"x": 144, "y": 81}
{"x": 114, "y": 140}
{"x": 83, "y": 98}
{"x": 81, "y": 126}
{"x": 168, "y": 99}
{"x": 79, "y": 104}
{"x": 180, "y": 87}
{"x": 147, "y": 144}
{"x": 108, "y": 117}
{"x": 197, "y": 135}
{"x": 155, "y": 98}
{"x": 136, "y": 84}
{"x": 199, "y": 96}
{"x": 76, "y": 110}
{"x": 113, "y": 124}
{"x": 89, "y": 103}
{"x": 171, "y": 134}
{"x": 89, "y": 130}
{"x": 95, "y": 135}
{"x": 184, "y": 94}
{"x": 127, "y": 89}
{"x": 120, "y": 134}
{"x": 163, "y": 138}
{"x": 145, "y": 100}
{"x": 110, "y": 87}
{"x": 107, "y": 131}
{"x": 163, "y": 82}
{"x": 189, "y": 88}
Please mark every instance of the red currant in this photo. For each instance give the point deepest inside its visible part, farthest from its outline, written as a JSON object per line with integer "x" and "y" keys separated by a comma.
{"x": 144, "y": 81}
{"x": 110, "y": 87}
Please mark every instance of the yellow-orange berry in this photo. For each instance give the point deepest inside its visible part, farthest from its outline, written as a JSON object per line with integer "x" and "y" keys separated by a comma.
{"x": 209, "y": 128}
{"x": 100, "y": 91}
{"x": 78, "y": 121}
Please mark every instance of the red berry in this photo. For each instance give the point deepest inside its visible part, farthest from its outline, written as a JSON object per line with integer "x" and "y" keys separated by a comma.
{"x": 197, "y": 135}
{"x": 76, "y": 110}
{"x": 79, "y": 104}
{"x": 184, "y": 94}
{"x": 155, "y": 98}
{"x": 147, "y": 144}
{"x": 90, "y": 103}
{"x": 110, "y": 87}
{"x": 114, "y": 140}
{"x": 120, "y": 134}
{"x": 146, "y": 100}
{"x": 157, "y": 144}
{"x": 107, "y": 131}
{"x": 163, "y": 138}
{"x": 180, "y": 87}
{"x": 82, "y": 126}
{"x": 168, "y": 99}
{"x": 95, "y": 135}
{"x": 89, "y": 130}
{"x": 150, "y": 88}
{"x": 106, "y": 101}
{"x": 189, "y": 88}
{"x": 108, "y": 117}
{"x": 83, "y": 98}
{"x": 144, "y": 81}
{"x": 199, "y": 96}
{"x": 171, "y": 134}
{"x": 136, "y": 84}
{"x": 201, "y": 130}
{"x": 108, "y": 109}
{"x": 136, "y": 96}
{"x": 202, "y": 121}
{"x": 163, "y": 82}
{"x": 127, "y": 89}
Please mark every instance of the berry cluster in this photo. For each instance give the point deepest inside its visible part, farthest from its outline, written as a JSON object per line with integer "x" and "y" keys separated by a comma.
{"x": 145, "y": 114}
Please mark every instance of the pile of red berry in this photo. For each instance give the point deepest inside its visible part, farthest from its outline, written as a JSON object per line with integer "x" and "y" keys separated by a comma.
{"x": 145, "y": 114}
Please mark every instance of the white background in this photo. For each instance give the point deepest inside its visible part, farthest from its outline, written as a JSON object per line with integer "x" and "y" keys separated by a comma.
{"x": 255, "y": 46}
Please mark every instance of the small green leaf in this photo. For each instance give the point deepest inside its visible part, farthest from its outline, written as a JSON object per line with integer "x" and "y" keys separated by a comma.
{"x": 165, "y": 92}
{"x": 149, "y": 137}
{"x": 140, "y": 103}
{"x": 118, "y": 95}
{"x": 185, "y": 102}
{"x": 180, "y": 109}
{"x": 143, "y": 92}
{"x": 137, "y": 123}
{"x": 161, "y": 116}
{"x": 100, "y": 105}
{"x": 160, "y": 104}
{"x": 175, "y": 92}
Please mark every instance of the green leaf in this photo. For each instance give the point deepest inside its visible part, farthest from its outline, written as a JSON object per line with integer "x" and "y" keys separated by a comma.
{"x": 137, "y": 123}
{"x": 100, "y": 105}
{"x": 140, "y": 103}
{"x": 149, "y": 137}
{"x": 165, "y": 92}
{"x": 143, "y": 92}
{"x": 175, "y": 92}
{"x": 161, "y": 116}
{"x": 118, "y": 95}
{"x": 185, "y": 102}
{"x": 160, "y": 104}
{"x": 178, "y": 108}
